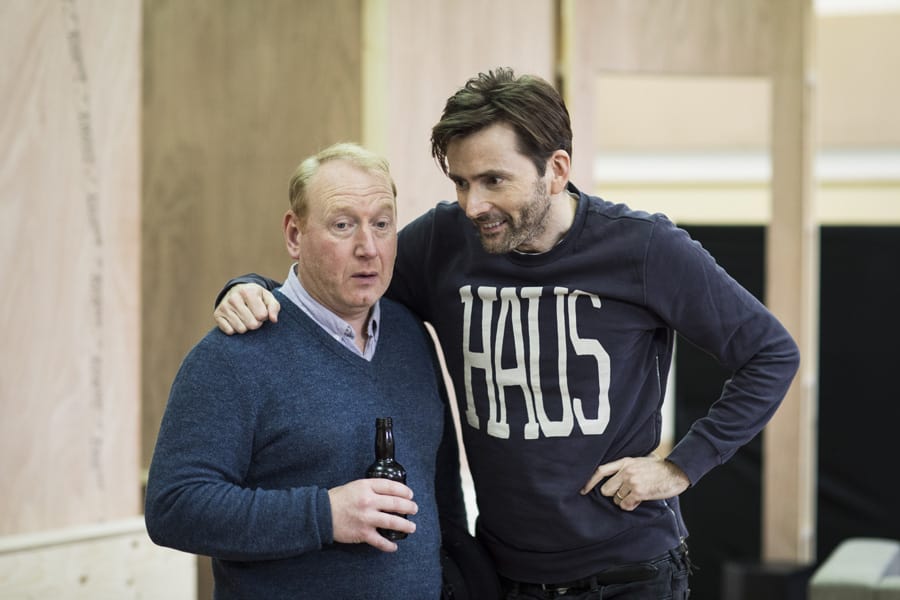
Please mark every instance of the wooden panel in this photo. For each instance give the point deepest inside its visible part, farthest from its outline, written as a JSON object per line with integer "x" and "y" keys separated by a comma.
{"x": 707, "y": 37}
{"x": 115, "y": 560}
{"x": 792, "y": 292}
{"x": 856, "y": 95}
{"x": 857, "y": 59}
{"x": 679, "y": 37}
{"x": 235, "y": 94}
{"x": 69, "y": 240}
{"x": 432, "y": 48}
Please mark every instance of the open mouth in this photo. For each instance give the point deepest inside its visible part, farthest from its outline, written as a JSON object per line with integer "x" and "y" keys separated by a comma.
{"x": 490, "y": 227}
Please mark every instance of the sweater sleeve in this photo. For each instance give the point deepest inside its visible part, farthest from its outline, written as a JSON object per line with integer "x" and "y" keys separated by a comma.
{"x": 197, "y": 500}
{"x": 698, "y": 299}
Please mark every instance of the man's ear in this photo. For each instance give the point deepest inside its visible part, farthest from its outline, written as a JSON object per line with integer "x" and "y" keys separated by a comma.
{"x": 292, "y": 234}
{"x": 558, "y": 166}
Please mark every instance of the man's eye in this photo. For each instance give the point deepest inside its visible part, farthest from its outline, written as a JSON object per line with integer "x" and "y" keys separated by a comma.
{"x": 342, "y": 226}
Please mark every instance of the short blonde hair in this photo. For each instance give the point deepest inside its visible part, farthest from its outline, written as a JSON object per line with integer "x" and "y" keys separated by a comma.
{"x": 347, "y": 151}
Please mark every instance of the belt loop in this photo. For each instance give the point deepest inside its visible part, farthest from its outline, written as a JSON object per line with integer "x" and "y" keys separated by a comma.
{"x": 514, "y": 593}
{"x": 593, "y": 583}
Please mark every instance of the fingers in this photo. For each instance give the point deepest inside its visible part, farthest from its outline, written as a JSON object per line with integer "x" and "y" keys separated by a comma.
{"x": 260, "y": 302}
{"x": 601, "y": 473}
{"x": 223, "y": 324}
{"x": 619, "y": 487}
{"x": 634, "y": 480}
{"x": 362, "y": 507}
{"x": 375, "y": 539}
{"x": 391, "y": 488}
{"x": 625, "y": 500}
{"x": 272, "y": 305}
{"x": 614, "y": 487}
{"x": 246, "y": 306}
{"x": 234, "y": 320}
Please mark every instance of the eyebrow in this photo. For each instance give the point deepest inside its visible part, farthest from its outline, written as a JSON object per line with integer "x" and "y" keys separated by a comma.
{"x": 481, "y": 175}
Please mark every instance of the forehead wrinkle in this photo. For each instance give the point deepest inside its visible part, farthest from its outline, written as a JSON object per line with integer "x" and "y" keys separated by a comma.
{"x": 375, "y": 202}
{"x": 337, "y": 193}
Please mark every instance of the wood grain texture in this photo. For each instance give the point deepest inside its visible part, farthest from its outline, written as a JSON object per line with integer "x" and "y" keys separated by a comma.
{"x": 792, "y": 291}
{"x": 708, "y": 37}
{"x": 113, "y": 560}
{"x": 432, "y": 49}
{"x": 235, "y": 95}
{"x": 69, "y": 242}
{"x": 678, "y": 37}
{"x": 856, "y": 61}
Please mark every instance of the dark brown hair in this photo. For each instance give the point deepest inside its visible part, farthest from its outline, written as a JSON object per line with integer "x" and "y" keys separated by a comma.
{"x": 532, "y": 106}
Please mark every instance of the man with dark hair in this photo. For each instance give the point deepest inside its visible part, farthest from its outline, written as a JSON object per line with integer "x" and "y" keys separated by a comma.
{"x": 557, "y": 315}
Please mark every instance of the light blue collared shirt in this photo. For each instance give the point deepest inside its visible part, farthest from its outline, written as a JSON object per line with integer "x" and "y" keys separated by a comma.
{"x": 336, "y": 327}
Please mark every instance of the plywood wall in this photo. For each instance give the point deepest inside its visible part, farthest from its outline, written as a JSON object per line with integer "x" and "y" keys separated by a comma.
{"x": 235, "y": 94}
{"x": 858, "y": 58}
{"x": 855, "y": 59}
{"x": 69, "y": 242}
{"x": 115, "y": 560}
{"x": 686, "y": 38}
{"x": 430, "y": 49}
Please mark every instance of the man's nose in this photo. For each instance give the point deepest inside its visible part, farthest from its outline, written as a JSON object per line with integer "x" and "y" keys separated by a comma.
{"x": 473, "y": 203}
{"x": 365, "y": 242}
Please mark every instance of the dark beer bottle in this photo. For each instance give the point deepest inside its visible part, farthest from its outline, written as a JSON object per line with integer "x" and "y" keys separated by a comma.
{"x": 385, "y": 467}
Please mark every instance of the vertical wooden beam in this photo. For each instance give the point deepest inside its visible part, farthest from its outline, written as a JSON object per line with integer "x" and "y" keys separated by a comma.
{"x": 792, "y": 290}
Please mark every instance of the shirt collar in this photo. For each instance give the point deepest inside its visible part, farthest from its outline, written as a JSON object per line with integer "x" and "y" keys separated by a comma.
{"x": 337, "y": 327}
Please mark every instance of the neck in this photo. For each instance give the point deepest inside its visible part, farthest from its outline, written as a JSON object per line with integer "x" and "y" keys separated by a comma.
{"x": 559, "y": 220}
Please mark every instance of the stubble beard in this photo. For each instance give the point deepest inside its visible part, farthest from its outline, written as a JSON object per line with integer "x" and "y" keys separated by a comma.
{"x": 530, "y": 224}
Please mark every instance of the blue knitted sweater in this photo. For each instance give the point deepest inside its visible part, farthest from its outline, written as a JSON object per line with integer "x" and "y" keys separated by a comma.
{"x": 259, "y": 426}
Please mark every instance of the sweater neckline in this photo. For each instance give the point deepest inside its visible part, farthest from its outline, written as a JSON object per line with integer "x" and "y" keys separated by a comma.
{"x": 292, "y": 311}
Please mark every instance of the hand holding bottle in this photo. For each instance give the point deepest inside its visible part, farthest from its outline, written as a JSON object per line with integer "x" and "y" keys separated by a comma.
{"x": 362, "y": 507}
{"x": 385, "y": 465}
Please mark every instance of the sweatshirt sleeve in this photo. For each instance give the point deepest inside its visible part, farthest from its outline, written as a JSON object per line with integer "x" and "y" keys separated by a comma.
{"x": 197, "y": 500}
{"x": 704, "y": 305}
{"x": 269, "y": 284}
{"x": 411, "y": 284}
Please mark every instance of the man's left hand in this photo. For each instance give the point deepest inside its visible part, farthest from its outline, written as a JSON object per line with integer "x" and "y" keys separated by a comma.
{"x": 633, "y": 480}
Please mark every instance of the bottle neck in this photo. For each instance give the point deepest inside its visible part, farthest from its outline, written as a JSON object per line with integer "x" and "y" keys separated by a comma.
{"x": 384, "y": 440}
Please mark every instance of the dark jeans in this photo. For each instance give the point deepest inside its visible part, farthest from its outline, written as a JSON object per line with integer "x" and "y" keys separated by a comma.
{"x": 670, "y": 582}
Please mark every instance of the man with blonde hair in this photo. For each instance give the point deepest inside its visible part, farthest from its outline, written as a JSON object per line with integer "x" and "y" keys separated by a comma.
{"x": 265, "y": 441}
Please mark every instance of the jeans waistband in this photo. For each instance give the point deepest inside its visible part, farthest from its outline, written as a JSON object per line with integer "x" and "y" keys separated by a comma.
{"x": 630, "y": 573}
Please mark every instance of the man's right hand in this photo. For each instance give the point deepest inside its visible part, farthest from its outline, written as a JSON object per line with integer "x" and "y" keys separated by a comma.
{"x": 246, "y": 306}
{"x": 361, "y": 507}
